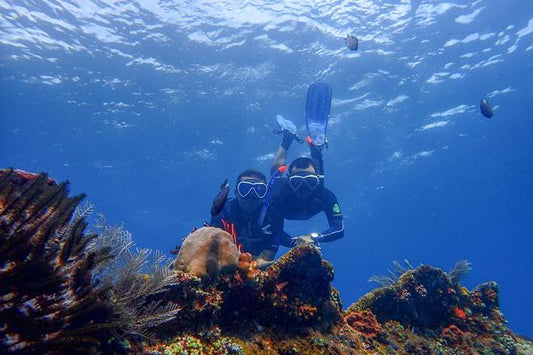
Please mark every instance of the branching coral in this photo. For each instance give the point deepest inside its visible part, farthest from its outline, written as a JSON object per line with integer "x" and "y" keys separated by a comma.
{"x": 56, "y": 290}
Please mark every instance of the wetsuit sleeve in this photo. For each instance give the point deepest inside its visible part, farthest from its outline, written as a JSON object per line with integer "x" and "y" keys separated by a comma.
{"x": 279, "y": 236}
{"x": 270, "y": 237}
{"x": 335, "y": 220}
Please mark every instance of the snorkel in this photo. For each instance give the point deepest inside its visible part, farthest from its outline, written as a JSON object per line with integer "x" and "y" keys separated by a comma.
{"x": 266, "y": 201}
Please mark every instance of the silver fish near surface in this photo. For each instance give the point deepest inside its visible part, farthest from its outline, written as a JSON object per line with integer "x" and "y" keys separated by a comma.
{"x": 485, "y": 108}
{"x": 352, "y": 42}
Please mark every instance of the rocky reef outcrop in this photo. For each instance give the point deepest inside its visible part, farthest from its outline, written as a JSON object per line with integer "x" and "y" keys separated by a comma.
{"x": 60, "y": 293}
{"x": 291, "y": 308}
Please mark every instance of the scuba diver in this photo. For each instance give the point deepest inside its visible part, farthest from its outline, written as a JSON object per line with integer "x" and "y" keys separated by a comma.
{"x": 302, "y": 195}
{"x": 258, "y": 211}
{"x": 257, "y": 232}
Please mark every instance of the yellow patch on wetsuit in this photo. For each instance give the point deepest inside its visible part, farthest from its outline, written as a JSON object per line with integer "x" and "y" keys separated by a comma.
{"x": 336, "y": 208}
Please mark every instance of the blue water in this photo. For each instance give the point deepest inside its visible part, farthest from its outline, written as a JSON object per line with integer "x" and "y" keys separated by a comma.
{"x": 148, "y": 105}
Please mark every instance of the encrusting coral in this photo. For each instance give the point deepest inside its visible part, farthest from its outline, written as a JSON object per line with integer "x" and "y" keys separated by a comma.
{"x": 63, "y": 290}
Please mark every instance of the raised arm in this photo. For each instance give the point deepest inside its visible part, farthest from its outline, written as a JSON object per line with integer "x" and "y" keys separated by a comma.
{"x": 289, "y": 132}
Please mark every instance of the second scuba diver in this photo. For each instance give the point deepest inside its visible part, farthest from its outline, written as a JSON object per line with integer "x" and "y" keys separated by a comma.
{"x": 302, "y": 195}
{"x": 257, "y": 234}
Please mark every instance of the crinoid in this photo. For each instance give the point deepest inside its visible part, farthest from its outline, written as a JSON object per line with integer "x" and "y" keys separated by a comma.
{"x": 55, "y": 296}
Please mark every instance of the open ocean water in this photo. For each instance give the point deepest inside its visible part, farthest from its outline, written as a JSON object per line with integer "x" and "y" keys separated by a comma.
{"x": 148, "y": 105}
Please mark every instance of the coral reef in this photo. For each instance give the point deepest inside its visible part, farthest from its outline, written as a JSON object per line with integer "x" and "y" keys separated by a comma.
{"x": 291, "y": 308}
{"x": 294, "y": 295}
{"x": 427, "y": 311}
{"x": 64, "y": 290}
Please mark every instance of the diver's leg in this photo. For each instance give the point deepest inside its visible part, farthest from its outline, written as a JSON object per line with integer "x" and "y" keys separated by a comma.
{"x": 316, "y": 155}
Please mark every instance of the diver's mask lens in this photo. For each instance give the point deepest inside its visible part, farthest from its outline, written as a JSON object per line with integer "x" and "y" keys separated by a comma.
{"x": 311, "y": 181}
{"x": 244, "y": 188}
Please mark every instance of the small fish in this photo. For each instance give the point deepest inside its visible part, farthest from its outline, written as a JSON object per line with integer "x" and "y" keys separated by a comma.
{"x": 352, "y": 42}
{"x": 485, "y": 108}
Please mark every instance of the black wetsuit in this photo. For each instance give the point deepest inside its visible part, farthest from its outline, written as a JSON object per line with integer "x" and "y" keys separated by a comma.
{"x": 253, "y": 238}
{"x": 293, "y": 208}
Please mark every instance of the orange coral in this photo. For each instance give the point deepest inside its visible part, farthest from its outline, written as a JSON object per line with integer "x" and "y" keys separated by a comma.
{"x": 453, "y": 335}
{"x": 459, "y": 313}
{"x": 244, "y": 261}
{"x": 253, "y": 271}
{"x": 364, "y": 322}
{"x": 248, "y": 266}
{"x": 307, "y": 311}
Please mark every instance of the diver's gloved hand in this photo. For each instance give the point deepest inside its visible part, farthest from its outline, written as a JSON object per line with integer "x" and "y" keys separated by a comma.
{"x": 220, "y": 199}
{"x": 287, "y": 139}
{"x": 289, "y": 131}
{"x": 305, "y": 240}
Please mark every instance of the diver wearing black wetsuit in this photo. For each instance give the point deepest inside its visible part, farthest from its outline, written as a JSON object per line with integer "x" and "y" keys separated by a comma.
{"x": 321, "y": 200}
{"x": 260, "y": 237}
{"x": 301, "y": 196}
{"x": 253, "y": 238}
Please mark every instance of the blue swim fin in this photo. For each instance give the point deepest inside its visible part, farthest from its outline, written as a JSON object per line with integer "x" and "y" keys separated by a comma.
{"x": 317, "y": 112}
